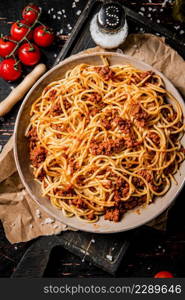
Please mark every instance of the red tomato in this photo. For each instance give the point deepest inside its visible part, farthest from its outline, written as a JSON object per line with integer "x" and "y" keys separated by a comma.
{"x": 6, "y": 46}
{"x": 43, "y": 36}
{"x": 10, "y": 69}
{"x": 30, "y": 13}
{"x": 29, "y": 54}
{"x": 163, "y": 274}
{"x": 19, "y": 29}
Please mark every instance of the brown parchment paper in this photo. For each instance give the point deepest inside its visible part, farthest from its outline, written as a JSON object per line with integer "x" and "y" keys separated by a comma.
{"x": 22, "y": 218}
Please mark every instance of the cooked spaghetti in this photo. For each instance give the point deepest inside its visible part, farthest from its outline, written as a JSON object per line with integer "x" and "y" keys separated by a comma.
{"x": 104, "y": 140}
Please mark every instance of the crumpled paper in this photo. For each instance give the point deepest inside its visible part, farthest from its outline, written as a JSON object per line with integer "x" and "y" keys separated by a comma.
{"x": 22, "y": 218}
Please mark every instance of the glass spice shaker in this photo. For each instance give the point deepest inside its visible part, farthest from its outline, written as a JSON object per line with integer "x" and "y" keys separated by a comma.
{"x": 109, "y": 26}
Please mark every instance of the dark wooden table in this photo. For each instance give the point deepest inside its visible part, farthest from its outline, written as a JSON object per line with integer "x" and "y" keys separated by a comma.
{"x": 151, "y": 251}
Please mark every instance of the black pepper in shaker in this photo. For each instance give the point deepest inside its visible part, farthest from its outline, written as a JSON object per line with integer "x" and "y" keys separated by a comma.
{"x": 109, "y": 27}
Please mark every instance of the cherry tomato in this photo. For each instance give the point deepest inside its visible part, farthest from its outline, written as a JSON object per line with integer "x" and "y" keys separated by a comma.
{"x": 19, "y": 29}
{"x": 43, "y": 36}
{"x": 163, "y": 274}
{"x": 30, "y": 13}
{"x": 29, "y": 54}
{"x": 6, "y": 46}
{"x": 10, "y": 69}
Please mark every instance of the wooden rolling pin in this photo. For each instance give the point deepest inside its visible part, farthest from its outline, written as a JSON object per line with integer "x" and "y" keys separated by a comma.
{"x": 19, "y": 92}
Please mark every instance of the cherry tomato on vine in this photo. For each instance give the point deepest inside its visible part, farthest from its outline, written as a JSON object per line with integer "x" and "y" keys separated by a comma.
{"x": 163, "y": 274}
{"x": 30, "y": 13}
{"x": 43, "y": 36}
{"x": 19, "y": 30}
{"x": 6, "y": 45}
{"x": 10, "y": 69}
{"x": 29, "y": 54}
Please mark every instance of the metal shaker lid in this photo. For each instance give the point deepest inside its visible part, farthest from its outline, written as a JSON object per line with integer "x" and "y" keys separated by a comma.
{"x": 111, "y": 17}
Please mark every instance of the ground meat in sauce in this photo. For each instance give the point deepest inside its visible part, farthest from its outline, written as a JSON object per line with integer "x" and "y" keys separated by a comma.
{"x": 56, "y": 109}
{"x": 95, "y": 98}
{"x": 93, "y": 111}
{"x": 138, "y": 182}
{"x": 80, "y": 179}
{"x": 110, "y": 147}
{"x": 140, "y": 76}
{"x": 58, "y": 127}
{"x": 154, "y": 137}
{"x": 32, "y": 133}
{"x": 143, "y": 75}
{"x": 106, "y": 123}
{"x": 131, "y": 142}
{"x": 33, "y": 138}
{"x": 108, "y": 184}
{"x": 87, "y": 120}
{"x": 69, "y": 192}
{"x": 38, "y": 155}
{"x": 120, "y": 182}
{"x": 67, "y": 105}
{"x": 125, "y": 189}
{"x": 146, "y": 175}
{"x": 134, "y": 202}
{"x": 121, "y": 189}
{"x": 117, "y": 196}
{"x": 91, "y": 216}
{"x": 109, "y": 119}
{"x": 112, "y": 215}
{"x": 107, "y": 147}
{"x": 139, "y": 114}
{"x": 157, "y": 188}
{"x": 105, "y": 72}
{"x": 79, "y": 203}
{"x": 121, "y": 207}
{"x": 52, "y": 94}
{"x": 124, "y": 125}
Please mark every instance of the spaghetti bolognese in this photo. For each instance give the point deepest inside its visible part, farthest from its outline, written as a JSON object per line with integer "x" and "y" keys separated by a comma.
{"x": 104, "y": 140}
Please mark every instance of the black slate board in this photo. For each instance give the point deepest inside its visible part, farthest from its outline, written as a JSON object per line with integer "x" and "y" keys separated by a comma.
{"x": 104, "y": 251}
